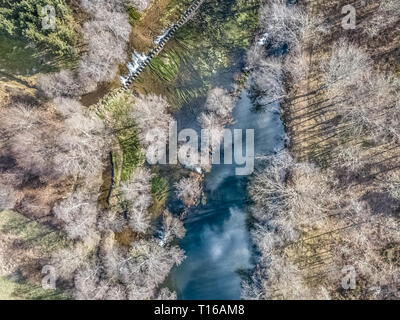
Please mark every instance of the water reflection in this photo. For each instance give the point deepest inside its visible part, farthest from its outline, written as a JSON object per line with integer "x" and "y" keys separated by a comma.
{"x": 217, "y": 243}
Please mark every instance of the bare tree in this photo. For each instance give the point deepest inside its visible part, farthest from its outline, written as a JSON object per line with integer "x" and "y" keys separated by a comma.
{"x": 214, "y": 126}
{"x": 106, "y": 48}
{"x": 137, "y": 192}
{"x": 106, "y": 37}
{"x": 219, "y": 106}
{"x": 79, "y": 213}
{"x": 347, "y": 65}
{"x": 63, "y": 83}
{"x": 252, "y": 288}
{"x": 287, "y": 280}
{"x": 140, "y": 5}
{"x": 293, "y": 199}
{"x": 68, "y": 107}
{"x": 350, "y": 158}
{"x": 286, "y": 24}
{"x": 308, "y": 226}
{"x": 151, "y": 112}
{"x": 220, "y": 102}
{"x": 290, "y": 199}
{"x": 165, "y": 294}
{"x": 139, "y": 218}
{"x": 93, "y": 281}
{"x": 18, "y": 117}
{"x": 82, "y": 142}
{"x": 88, "y": 285}
{"x": 362, "y": 247}
{"x": 68, "y": 260}
{"x": 111, "y": 220}
{"x": 34, "y": 151}
{"x": 384, "y": 17}
{"x": 291, "y": 191}
{"x": 116, "y": 292}
{"x": 26, "y": 139}
{"x": 297, "y": 64}
{"x": 154, "y": 262}
{"x": 254, "y": 55}
{"x": 392, "y": 184}
{"x": 189, "y": 190}
{"x": 267, "y": 80}
{"x": 143, "y": 268}
{"x": 363, "y": 97}
{"x": 172, "y": 228}
{"x": 78, "y": 150}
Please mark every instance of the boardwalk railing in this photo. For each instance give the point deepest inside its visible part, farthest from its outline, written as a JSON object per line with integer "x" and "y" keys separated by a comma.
{"x": 187, "y": 15}
{"x": 161, "y": 41}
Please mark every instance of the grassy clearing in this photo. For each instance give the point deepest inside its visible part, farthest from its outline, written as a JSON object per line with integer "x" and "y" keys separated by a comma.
{"x": 18, "y": 58}
{"x": 116, "y": 113}
{"x": 167, "y": 66}
{"x": 7, "y": 288}
{"x": 38, "y": 237}
{"x": 129, "y": 154}
{"x": 134, "y": 15}
{"x": 159, "y": 187}
{"x": 18, "y": 290}
{"x": 32, "y": 232}
{"x": 153, "y": 21}
{"x": 159, "y": 191}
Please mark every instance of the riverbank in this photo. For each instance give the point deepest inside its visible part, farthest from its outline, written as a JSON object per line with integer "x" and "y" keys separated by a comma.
{"x": 326, "y": 210}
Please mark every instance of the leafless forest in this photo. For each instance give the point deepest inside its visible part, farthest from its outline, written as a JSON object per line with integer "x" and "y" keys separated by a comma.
{"x": 330, "y": 201}
{"x": 53, "y": 156}
{"x": 326, "y": 204}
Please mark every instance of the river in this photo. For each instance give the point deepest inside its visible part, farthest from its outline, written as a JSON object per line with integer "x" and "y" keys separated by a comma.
{"x": 217, "y": 243}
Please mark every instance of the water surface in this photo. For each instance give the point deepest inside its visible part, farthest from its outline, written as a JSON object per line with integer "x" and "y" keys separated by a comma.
{"x": 217, "y": 244}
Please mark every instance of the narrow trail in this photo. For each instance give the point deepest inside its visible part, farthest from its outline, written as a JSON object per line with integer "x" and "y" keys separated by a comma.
{"x": 161, "y": 41}
{"x": 141, "y": 61}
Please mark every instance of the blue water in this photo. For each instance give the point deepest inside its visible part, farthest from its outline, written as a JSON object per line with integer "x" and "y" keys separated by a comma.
{"x": 217, "y": 242}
